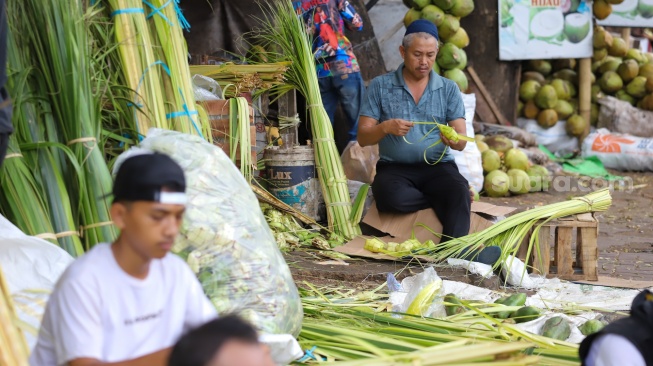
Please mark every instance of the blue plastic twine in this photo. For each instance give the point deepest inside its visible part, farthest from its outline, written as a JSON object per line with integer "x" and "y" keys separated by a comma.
{"x": 127, "y": 11}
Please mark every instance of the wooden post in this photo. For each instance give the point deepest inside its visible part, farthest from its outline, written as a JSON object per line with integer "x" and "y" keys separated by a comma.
{"x": 585, "y": 94}
{"x": 542, "y": 259}
{"x": 563, "y": 252}
{"x": 625, "y": 34}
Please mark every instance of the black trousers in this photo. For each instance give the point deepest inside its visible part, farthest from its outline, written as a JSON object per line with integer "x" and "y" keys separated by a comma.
{"x": 409, "y": 188}
{"x": 4, "y": 142}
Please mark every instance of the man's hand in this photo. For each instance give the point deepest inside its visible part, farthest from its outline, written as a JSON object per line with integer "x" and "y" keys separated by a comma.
{"x": 461, "y": 128}
{"x": 397, "y": 127}
{"x": 460, "y": 145}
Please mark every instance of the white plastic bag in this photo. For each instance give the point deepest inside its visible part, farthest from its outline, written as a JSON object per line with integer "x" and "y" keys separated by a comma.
{"x": 206, "y": 89}
{"x": 225, "y": 238}
{"x": 554, "y": 138}
{"x": 31, "y": 267}
{"x": 619, "y": 151}
{"x": 514, "y": 270}
{"x": 469, "y": 160}
{"x": 403, "y": 296}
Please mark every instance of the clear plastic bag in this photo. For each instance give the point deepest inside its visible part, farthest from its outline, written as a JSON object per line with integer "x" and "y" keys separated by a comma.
{"x": 225, "y": 238}
{"x": 359, "y": 163}
{"x": 206, "y": 89}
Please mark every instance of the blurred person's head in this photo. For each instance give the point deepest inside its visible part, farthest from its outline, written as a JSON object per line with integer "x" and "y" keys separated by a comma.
{"x": 226, "y": 341}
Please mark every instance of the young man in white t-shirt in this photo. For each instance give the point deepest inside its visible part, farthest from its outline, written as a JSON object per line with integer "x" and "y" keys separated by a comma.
{"x": 128, "y": 302}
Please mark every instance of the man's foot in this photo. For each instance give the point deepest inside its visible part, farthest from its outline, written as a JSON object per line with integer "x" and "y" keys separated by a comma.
{"x": 487, "y": 255}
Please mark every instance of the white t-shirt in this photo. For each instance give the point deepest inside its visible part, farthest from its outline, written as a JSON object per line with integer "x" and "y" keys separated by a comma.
{"x": 613, "y": 350}
{"x": 98, "y": 311}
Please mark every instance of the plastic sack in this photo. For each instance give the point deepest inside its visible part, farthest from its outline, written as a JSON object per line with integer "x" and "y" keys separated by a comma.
{"x": 619, "y": 151}
{"x": 31, "y": 267}
{"x": 621, "y": 117}
{"x": 359, "y": 163}
{"x": 554, "y": 138}
{"x": 419, "y": 295}
{"x": 225, "y": 238}
{"x": 515, "y": 273}
{"x": 206, "y": 89}
{"x": 469, "y": 161}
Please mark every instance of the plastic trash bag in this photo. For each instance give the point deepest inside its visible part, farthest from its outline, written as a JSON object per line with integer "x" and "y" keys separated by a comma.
{"x": 31, "y": 267}
{"x": 225, "y": 238}
{"x": 417, "y": 295}
{"x": 206, "y": 89}
{"x": 359, "y": 163}
{"x": 469, "y": 160}
{"x": 619, "y": 151}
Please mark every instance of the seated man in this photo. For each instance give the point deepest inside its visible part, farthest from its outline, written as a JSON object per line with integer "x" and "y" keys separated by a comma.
{"x": 128, "y": 302}
{"x": 227, "y": 341}
{"x": 412, "y": 174}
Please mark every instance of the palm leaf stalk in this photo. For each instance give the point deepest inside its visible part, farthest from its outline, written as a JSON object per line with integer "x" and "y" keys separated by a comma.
{"x": 284, "y": 31}
{"x": 347, "y": 328}
{"x": 141, "y": 69}
{"x": 168, "y": 25}
{"x": 60, "y": 51}
{"x": 12, "y": 342}
{"x": 510, "y": 233}
{"x": 31, "y": 115}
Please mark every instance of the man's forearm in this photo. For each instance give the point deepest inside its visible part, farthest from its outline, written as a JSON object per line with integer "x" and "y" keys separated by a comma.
{"x": 370, "y": 134}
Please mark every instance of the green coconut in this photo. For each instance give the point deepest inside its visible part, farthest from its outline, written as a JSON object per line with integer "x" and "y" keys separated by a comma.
{"x": 557, "y": 327}
{"x": 411, "y": 16}
{"x": 519, "y": 182}
{"x": 530, "y": 110}
{"x": 479, "y": 137}
{"x": 546, "y": 97}
{"x": 647, "y": 102}
{"x": 577, "y": 26}
{"x": 574, "y": 104}
{"x": 419, "y": 4}
{"x": 496, "y": 183}
{"x": 539, "y": 178}
{"x": 444, "y": 4}
{"x": 602, "y": 38}
{"x": 482, "y": 146}
{"x": 628, "y": 70}
{"x": 594, "y": 114}
{"x": 564, "y": 109}
{"x": 460, "y": 38}
{"x": 542, "y": 66}
{"x": 449, "y": 56}
{"x": 433, "y": 14}
{"x": 499, "y": 143}
{"x": 528, "y": 90}
{"x": 622, "y": 95}
{"x": 547, "y": 118}
{"x": 645, "y": 8}
{"x": 463, "y": 60}
{"x": 458, "y": 76}
{"x": 436, "y": 68}
{"x": 462, "y": 8}
{"x": 596, "y": 65}
{"x": 601, "y": 9}
{"x": 599, "y": 54}
{"x": 572, "y": 89}
{"x": 596, "y": 93}
{"x": 609, "y": 64}
{"x": 532, "y": 75}
{"x": 591, "y": 326}
{"x": 649, "y": 57}
{"x": 610, "y": 82}
{"x": 635, "y": 54}
{"x": 566, "y": 74}
{"x": 449, "y": 27}
{"x": 646, "y": 71}
{"x": 619, "y": 48}
{"x": 516, "y": 159}
{"x": 637, "y": 87}
{"x": 520, "y": 107}
{"x": 564, "y": 63}
{"x": 562, "y": 89}
{"x": 649, "y": 85}
{"x": 491, "y": 160}
{"x": 575, "y": 125}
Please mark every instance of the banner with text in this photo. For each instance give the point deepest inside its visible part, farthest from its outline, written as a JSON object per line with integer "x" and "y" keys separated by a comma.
{"x": 630, "y": 13}
{"x": 543, "y": 29}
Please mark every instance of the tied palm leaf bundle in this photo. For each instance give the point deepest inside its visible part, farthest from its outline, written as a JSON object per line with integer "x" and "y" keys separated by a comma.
{"x": 167, "y": 31}
{"x": 59, "y": 51}
{"x": 510, "y": 234}
{"x": 31, "y": 118}
{"x": 284, "y": 31}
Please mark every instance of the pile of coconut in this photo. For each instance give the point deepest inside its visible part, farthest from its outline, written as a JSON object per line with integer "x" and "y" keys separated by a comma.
{"x": 446, "y": 15}
{"x": 507, "y": 169}
{"x": 549, "y": 88}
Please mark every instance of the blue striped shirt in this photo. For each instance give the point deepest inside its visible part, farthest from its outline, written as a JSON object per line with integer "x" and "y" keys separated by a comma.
{"x": 388, "y": 97}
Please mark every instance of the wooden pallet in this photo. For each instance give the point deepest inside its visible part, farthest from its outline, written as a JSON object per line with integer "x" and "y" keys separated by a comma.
{"x": 563, "y": 264}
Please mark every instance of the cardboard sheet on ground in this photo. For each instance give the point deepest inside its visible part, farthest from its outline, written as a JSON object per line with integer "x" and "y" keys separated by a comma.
{"x": 400, "y": 227}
